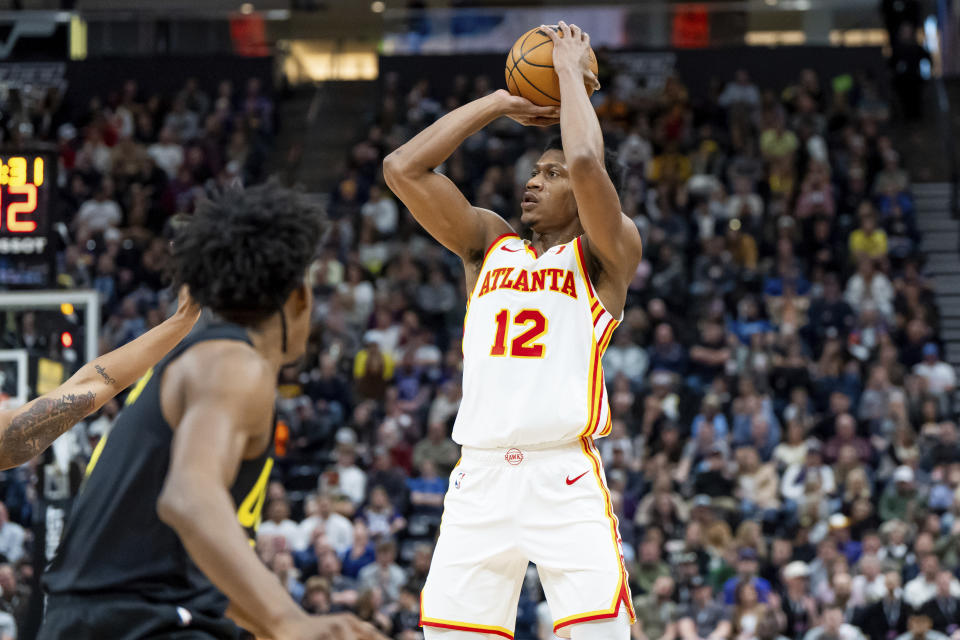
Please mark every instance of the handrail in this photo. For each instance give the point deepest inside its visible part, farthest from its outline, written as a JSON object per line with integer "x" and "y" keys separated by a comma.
{"x": 947, "y": 134}
{"x": 948, "y": 40}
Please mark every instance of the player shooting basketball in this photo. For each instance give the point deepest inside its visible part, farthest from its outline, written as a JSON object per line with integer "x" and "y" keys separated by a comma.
{"x": 530, "y": 485}
{"x": 27, "y": 431}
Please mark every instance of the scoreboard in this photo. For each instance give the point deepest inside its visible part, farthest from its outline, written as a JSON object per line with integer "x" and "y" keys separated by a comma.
{"x": 27, "y": 204}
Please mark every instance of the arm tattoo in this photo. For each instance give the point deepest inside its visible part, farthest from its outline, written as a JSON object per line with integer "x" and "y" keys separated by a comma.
{"x": 32, "y": 431}
{"x": 103, "y": 374}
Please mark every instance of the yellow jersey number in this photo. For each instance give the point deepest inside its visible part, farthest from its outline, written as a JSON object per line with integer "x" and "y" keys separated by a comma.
{"x": 251, "y": 509}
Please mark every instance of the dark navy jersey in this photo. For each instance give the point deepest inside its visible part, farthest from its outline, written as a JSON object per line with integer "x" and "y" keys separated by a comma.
{"x": 114, "y": 541}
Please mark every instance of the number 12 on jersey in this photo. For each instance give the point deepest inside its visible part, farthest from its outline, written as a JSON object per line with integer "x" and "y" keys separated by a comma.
{"x": 523, "y": 345}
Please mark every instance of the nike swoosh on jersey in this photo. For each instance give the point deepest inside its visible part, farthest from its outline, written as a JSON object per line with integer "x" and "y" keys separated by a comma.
{"x": 509, "y": 249}
{"x": 569, "y": 481}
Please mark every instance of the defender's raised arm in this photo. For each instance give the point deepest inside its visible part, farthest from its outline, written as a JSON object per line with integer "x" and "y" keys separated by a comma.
{"x": 29, "y": 430}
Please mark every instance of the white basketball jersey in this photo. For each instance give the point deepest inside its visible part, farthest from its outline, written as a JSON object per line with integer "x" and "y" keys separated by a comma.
{"x": 533, "y": 338}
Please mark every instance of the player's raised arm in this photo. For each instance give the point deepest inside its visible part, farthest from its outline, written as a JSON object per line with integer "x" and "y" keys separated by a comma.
{"x": 27, "y": 431}
{"x": 432, "y": 198}
{"x": 613, "y": 237}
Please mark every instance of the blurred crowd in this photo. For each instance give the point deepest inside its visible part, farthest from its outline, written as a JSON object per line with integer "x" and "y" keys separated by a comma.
{"x": 784, "y": 461}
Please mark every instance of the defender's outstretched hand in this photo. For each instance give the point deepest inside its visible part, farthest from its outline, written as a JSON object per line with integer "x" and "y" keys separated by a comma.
{"x": 571, "y": 50}
{"x": 525, "y": 112}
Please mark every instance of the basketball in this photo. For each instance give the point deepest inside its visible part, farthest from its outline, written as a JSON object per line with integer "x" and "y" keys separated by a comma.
{"x": 529, "y": 71}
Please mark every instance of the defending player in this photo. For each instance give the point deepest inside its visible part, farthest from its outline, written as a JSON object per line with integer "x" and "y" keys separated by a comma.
{"x": 159, "y": 541}
{"x": 530, "y": 485}
{"x": 27, "y": 431}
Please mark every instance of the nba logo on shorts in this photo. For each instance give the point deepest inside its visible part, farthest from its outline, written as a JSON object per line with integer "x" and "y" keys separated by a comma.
{"x": 514, "y": 456}
{"x": 459, "y": 479}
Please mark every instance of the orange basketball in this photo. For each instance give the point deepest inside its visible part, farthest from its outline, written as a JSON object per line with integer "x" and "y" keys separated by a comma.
{"x": 530, "y": 73}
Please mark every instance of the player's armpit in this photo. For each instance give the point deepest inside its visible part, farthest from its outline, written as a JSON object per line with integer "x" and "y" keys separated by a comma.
{"x": 437, "y": 204}
{"x": 433, "y": 199}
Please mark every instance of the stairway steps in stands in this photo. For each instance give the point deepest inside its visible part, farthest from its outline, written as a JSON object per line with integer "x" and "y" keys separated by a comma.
{"x": 946, "y": 241}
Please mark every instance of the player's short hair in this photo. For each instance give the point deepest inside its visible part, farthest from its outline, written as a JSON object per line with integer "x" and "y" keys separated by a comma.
{"x": 610, "y": 161}
{"x": 245, "y": 251}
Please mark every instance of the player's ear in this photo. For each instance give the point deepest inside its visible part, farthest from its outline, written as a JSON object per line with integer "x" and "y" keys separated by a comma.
{"x": 300, "y": 297}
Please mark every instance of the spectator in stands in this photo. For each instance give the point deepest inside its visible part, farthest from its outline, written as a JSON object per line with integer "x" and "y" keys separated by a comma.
{"x": 799, "y": 607}
{"x": 12, "y": 537}
{"x": 438, "y": 449}
{"x": 287, "y": 574}
{"x": 796, "y": 476}
{"x": 336, "y": 530}
{"x": 897, "y": 501}
{"x": 345, "y": 477}
{"x": 14, "y": 600}
{"x": 757, "y": 484}
{"x": 625, "y": 357}
{"x": 869, "y": 284}
{"x": 381, "y": 516}
{"x": 656, "y": 613}
{"x": 316, "y": 598}
{"x": 704, "y": 618}
{"x": 167, "y": 153}
{"x": 666, "y": 354}
{"x": 926, "y": 585}
{"x": 649, "y": 568}
{"x": 279, "y": 524}
{"x": 833, "y": 627}
{"x": 710, "y": 414}
{"x": 939, "y": 376}
{"x": 870, "y": 585}
{"x": 406, "y": 621}
{"x": 747, "y": 573}
{"x": 920, "y": 627}
{"x": 708, "y": 356}
{"x": 99, "y": 213}
{"x": 943, "y": 608}
{"x": 740, "y": 93}
{"x": 361, "y": 552}
{"x": 427, "y": 491}
{"x": 846, "y": 436}
{"x": 888, "y": 616}
{"x": 384, "y": 574}
{"x": 748, "y": 611}
{"x": 868, "y": 240}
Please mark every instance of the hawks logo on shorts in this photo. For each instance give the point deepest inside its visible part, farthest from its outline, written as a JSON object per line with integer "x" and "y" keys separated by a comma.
{"x": 513, "y": 456}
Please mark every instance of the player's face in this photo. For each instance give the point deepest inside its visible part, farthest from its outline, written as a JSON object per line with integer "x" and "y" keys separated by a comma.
{"x": 548, "y": 201}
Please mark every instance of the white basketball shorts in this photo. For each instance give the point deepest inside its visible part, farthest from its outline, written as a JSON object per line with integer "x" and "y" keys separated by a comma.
{"x": 505, "y": 507}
